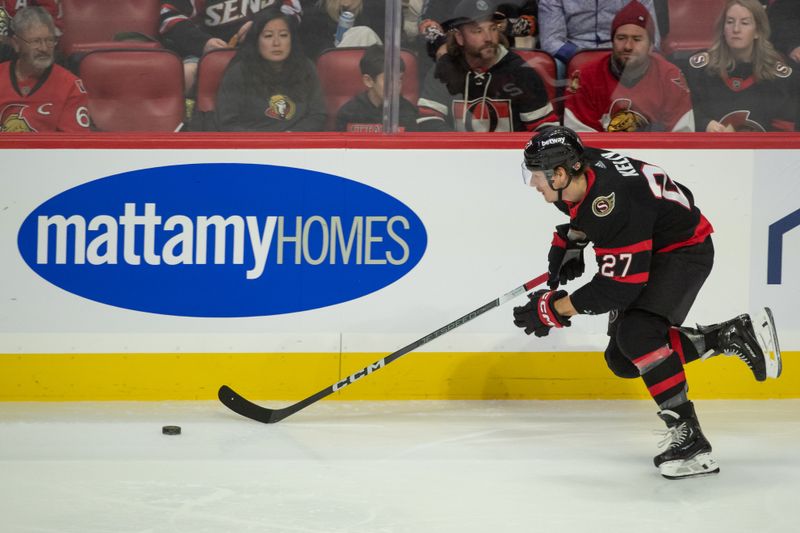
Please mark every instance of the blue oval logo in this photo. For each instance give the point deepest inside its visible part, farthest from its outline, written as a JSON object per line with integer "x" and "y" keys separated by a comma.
{"x": 222, "y": 240}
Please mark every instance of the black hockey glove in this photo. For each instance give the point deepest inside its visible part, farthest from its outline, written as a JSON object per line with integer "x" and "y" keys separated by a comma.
{"x": 539, "y": 316}
{"x": 565, "y": 260}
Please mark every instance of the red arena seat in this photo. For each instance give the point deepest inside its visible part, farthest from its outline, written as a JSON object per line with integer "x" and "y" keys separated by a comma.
{"x": 97, "y": 21}
{"x": 134, "y": 90}
{"x": 544, "y": 65}
{"x": 691, "y": 26}
{"x": 210, "y": 70}
{"x": 340, "y": 78}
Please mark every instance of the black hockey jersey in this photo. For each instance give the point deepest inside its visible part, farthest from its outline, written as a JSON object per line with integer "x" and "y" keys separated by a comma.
{"x": 510, "y": 96}
{"x": 631, "y": 210}
{"x": 186, "y": 25}
{"x": 737, "y": 99}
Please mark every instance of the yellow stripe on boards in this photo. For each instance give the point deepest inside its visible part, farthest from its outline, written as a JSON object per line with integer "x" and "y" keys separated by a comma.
{"x": 418, "y": 375}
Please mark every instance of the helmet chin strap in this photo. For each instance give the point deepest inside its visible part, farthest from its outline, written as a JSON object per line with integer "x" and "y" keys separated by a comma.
{"x": 549, "y": 178}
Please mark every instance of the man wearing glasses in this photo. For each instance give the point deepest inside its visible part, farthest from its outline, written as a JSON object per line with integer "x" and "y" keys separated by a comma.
{"x": 35, "y": 94}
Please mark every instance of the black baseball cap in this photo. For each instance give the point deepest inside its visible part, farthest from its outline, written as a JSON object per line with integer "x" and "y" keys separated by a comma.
{"x": 468, "y": 11}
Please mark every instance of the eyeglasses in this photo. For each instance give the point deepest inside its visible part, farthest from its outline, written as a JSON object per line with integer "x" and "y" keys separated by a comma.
{"x": 48, "y": 42}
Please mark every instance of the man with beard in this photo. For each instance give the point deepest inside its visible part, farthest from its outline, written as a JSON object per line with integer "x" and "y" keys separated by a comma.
{"x": 479, "y": 85}
{"x": 631, "y": 88}
{"x": 35, "y": 94}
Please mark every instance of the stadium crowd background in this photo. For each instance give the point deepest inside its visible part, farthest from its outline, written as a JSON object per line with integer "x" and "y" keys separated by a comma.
{"x": 151, "y": 65}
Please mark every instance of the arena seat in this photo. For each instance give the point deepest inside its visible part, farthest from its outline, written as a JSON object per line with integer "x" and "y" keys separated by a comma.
{"x": 545, "y": 67}
{"x": 691, "y": 26}
{"x": 209, "y": 75}
{"x": 90, "y": 24}
{"x": 583, "y": 57}
{"x": 340, "y": 78}
{"x": 134, "y": 90}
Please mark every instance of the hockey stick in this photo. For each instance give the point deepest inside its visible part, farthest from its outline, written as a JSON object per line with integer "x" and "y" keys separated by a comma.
{"x": 246, "y": 408}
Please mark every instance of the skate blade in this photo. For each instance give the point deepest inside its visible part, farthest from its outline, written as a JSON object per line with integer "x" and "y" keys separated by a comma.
{"x": 702, "y": 464}
{"x": 767, "y": 336}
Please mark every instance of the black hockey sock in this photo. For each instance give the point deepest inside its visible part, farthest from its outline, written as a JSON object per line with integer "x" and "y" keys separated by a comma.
{"x": 665, "y": 379}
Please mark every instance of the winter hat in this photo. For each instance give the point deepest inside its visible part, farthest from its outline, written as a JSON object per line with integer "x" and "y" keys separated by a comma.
{"x": 634, "y": 13}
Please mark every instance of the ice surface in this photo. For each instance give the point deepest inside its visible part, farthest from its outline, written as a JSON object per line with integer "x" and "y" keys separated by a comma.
{"x": 386, "y": 467}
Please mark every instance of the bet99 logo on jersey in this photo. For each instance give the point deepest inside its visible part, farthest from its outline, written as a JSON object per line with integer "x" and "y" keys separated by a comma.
{"x": 222, "y": 240}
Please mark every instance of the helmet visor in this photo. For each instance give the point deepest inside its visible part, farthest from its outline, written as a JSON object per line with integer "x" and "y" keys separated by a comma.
{"x": 527, "y": 175}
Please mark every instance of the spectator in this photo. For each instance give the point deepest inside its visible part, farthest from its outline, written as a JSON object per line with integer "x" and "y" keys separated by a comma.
{"x": 567, "y": 26}
{"x": 322, "y": 18}
{"x": 270, "y": 85}
{"x": 9, "y": 8}
{"x": 36, "y": 94}
{"x": 631, "y": 88}
{"x": 192, "y": 28}
{"x": 479, "y": 85}
{"x": 741, "y": 83}
{"x": 364, "y": 112}
{"x": 518, "y": 21}
{"x": 784, "y": 18}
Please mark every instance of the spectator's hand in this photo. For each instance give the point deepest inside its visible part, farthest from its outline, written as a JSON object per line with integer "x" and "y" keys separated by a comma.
{"x": 213, "y": 44}
{"x": 716, "y": 127}
{"x": 242, "y": 33}
{"x": 794, "y": 55}
{"x": 430, "y": 25}
{"x": 523, "y": 26}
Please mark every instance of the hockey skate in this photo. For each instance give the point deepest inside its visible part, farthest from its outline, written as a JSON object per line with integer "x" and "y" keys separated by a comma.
{"x": 688, "y": 452}
{"x": 754, "y": 342}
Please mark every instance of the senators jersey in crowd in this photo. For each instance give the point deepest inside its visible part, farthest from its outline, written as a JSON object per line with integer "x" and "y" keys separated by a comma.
{"x": 737, "y": 99}
{"x": 631, "y": 211}
{"x": 598, "y": 101}
{"x": 9, "y": 8}
{"x": 510, "y": 96}
{"x": 186, "y": 25}
{"x": 55, "y": 102}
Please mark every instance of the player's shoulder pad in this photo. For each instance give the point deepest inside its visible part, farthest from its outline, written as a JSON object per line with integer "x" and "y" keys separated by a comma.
{"x": 782, "y": 70}
{"x": 699, "y": 60}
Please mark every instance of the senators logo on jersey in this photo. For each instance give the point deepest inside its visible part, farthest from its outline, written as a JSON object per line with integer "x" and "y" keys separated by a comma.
{"x": 483, "y": 114}
{"x": 741, "y": 121}
{"x": 12, "y": 119}
{"x": 281, "y": 107}
{"x": 622, "y": 117}
{"x": 5, "y": 19}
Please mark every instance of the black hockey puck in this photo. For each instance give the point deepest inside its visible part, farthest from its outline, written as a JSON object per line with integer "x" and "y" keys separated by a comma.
{"x": 171, "y": 430}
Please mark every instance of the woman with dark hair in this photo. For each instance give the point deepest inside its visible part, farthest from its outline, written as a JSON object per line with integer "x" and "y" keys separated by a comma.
{"x": 741, "y": 83}
{"x": 270, "y": 85}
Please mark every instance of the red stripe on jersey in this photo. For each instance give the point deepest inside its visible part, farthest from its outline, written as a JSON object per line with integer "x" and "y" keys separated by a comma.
{"x": 783, "y": 125}
{"x": 701, "y": 232}
{"x": 667, "y": 384}
{"x": 655, "y": 356}
{"x": 642, "y": 246}
{"x": 675, "y": 343}
{"x": 641, "y": 277}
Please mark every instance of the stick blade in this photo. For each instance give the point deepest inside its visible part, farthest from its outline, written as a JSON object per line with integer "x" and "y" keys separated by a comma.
{"x": 241, "y": 405}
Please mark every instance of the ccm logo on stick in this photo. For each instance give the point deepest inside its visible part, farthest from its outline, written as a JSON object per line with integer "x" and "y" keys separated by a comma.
{"x": 222, "y": 240}
{"x": 360, "y": 374}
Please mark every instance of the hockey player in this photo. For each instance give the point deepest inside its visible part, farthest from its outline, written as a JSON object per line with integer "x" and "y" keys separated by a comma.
{"x": 631, "y": 88}
{"x": 654, "y": 251}
{"x": 35, "y": 94}
{"x": 479, "y": 85}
